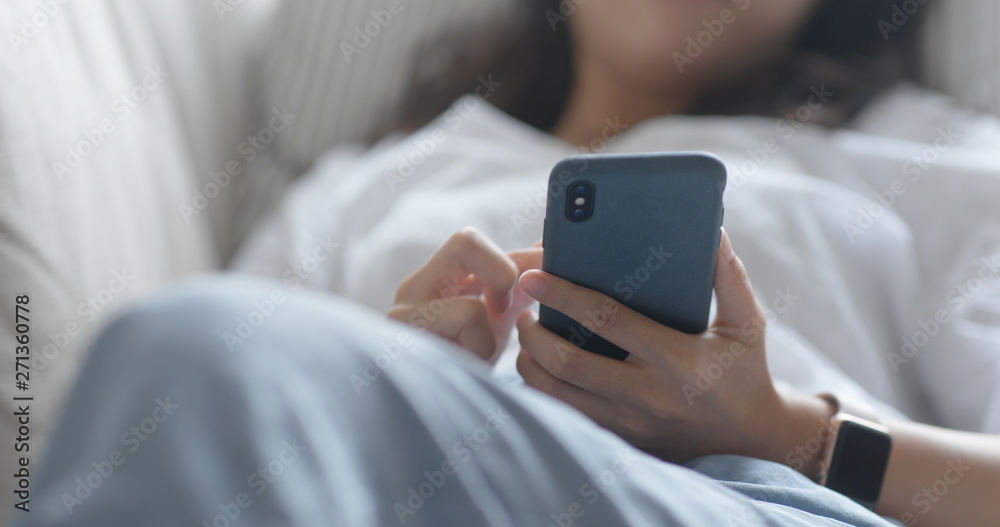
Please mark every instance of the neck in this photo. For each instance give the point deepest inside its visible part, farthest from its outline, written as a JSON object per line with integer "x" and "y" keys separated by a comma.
{"x": 602, "y": 104}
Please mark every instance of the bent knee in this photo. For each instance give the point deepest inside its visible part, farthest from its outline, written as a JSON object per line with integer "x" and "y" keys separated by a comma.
{"x": 219, "y": 316}
{"x": 186, "y": 323}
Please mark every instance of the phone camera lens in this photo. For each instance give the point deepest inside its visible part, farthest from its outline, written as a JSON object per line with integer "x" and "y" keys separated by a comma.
{"x": 579, "y": 201}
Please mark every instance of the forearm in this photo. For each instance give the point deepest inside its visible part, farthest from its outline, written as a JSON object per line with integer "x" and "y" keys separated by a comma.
{"x": 939, "y": 477}
{"x": 935, "y": 477}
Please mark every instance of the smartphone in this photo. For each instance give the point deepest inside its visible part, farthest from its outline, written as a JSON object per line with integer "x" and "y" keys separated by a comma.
{"x": 644, "y": 229}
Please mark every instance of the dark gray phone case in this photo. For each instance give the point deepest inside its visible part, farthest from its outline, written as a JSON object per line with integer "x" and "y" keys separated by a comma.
{"x": 651, "y": 243}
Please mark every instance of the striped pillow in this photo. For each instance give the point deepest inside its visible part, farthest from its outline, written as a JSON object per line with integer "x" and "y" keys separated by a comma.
{"x": 342, "y": 66}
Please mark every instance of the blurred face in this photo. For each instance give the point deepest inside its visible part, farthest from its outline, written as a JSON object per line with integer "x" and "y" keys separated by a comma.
{"x": 683, "y": 43}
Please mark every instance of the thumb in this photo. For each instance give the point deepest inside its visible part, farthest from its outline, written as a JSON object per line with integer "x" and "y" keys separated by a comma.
{"x": 736, "y": 303}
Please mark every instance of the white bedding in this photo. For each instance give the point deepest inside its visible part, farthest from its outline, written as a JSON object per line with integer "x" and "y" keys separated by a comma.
{"x": 854, "y": 295}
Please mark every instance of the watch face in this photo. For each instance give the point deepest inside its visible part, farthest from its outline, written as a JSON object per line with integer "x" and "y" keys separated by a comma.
{"x": 860, "y": 457}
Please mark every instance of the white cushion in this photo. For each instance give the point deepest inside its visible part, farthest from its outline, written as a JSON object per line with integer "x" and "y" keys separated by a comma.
{"x": 91, "y": 218}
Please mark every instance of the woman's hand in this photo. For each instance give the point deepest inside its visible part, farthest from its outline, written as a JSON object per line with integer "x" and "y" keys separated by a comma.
{"x": 677, "y": 396}
{"x": 466, "y": 293}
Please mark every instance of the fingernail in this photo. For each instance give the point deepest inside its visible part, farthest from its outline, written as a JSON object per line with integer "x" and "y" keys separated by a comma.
{"x": 533, "y": 283}
{"x": 523, "y": 319}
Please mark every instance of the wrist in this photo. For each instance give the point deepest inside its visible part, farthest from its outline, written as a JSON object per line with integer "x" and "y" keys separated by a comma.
{"x": 798, "y": 432}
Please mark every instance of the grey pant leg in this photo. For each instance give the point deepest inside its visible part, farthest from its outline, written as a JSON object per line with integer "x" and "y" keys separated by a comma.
{"x": 218, "y": 405}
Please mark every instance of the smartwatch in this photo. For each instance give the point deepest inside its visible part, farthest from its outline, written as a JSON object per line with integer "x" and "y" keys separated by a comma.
{"x": 856, "y": 457}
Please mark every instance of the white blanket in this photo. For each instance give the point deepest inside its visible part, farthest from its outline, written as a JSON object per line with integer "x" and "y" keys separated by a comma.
{"x": 856, "y": 240}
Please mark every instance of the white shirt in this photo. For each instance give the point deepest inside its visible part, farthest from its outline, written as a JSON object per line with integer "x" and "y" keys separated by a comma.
{"x": 845, "y": 287}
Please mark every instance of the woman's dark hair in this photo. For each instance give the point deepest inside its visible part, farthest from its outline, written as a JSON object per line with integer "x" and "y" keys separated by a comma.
{"x": 856, "y": 48}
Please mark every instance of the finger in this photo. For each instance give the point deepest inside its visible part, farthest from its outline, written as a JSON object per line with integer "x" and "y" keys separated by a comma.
{"x": 736, "y": 303}
{"x": 601, "y": 314}
{"x": 463, "y": 320}
{"x": 607, "y": 378}
{"x": 527, "y": 259}
{"x": 537, "y": 244}
{"x": 597, "y": 408}
{"x": 504, "y": 322}
{"x": 467, "y": 252}
{"x": 468, "y": 286}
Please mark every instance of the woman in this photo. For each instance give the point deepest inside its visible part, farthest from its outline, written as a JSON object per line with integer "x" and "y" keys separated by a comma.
{"x": 361, "y": 422}
{"x": 627, "y": 60}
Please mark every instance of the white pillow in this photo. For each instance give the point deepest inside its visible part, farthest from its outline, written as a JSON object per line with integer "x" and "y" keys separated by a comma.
{"x": 111, "y": 112}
